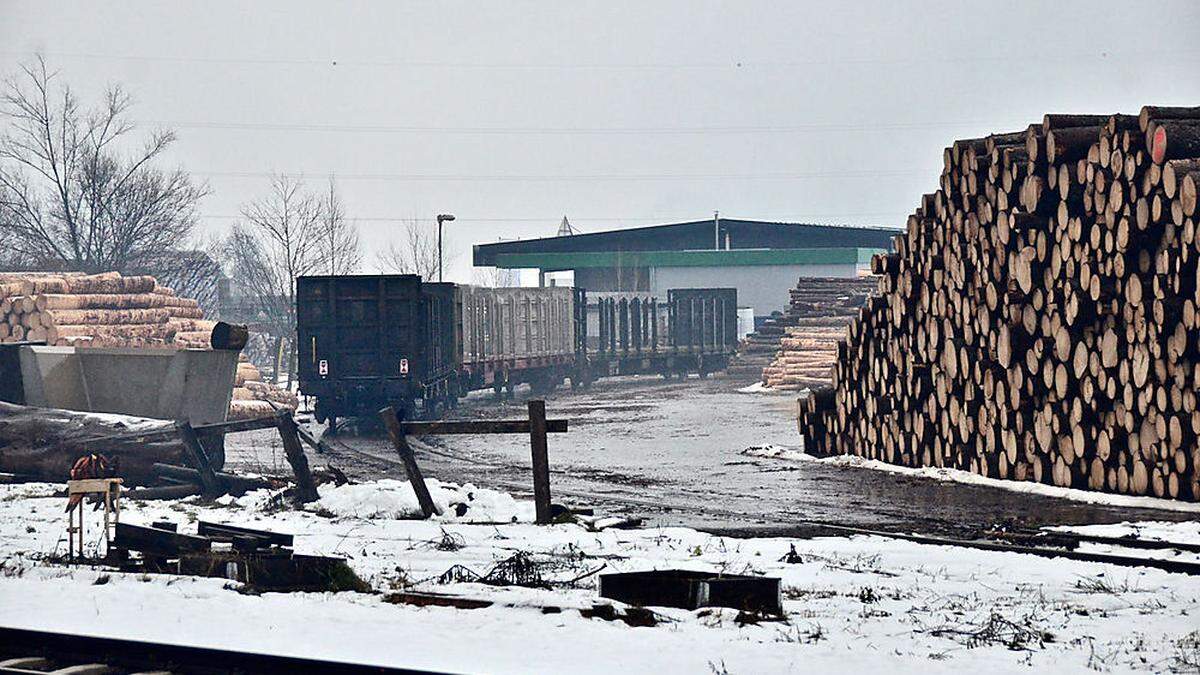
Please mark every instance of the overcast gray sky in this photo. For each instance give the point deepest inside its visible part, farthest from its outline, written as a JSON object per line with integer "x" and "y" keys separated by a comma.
{"x": 512, "y": 114}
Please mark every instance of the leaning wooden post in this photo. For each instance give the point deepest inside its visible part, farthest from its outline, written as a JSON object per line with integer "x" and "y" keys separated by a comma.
{"x": 212, "y": 486}
{"x": 306, "y": 487}
{"x": 541, "y": 462}
{"x": 392, "y": 421}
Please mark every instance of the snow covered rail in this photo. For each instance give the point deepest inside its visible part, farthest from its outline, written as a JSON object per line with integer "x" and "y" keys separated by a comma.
{"x": 30, "y": 651}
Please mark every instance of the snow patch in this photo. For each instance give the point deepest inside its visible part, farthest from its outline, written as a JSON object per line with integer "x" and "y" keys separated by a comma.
{"x": 394, "y": 499}
{"x": 756, "y": 388}
{"x": 1186, "y": 532}
{"x": 778, "y": 452}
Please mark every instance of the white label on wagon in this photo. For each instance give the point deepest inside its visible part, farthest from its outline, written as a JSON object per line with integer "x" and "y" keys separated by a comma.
{"x": 323, "y": 367}
{"x": 403, "y": 366}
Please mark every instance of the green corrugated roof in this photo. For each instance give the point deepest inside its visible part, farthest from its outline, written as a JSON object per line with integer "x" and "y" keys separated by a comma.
{"x": 724, "y": 258}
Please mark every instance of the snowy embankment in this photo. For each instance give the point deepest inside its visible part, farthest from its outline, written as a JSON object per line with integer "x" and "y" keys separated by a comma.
{"x": 969, "y": 478}
{"x": 853, "y": 604}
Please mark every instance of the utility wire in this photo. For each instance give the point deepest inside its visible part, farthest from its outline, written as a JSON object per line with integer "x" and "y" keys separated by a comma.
{"x": 613, "y": 219}
{"x": 864, "y": 173}
{"x": 550, "y": 131}
{"x": 730, "y": 64}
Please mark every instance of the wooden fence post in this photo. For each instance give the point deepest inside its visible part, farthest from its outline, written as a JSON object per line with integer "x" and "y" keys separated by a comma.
{"x": 392, "y": 421}
{"x": 541, "y": 462}
{"x": 306, "y": 488}
{"x": 212, "y": 486}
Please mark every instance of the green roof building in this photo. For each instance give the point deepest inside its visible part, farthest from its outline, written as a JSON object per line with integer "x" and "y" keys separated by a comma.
{"x": 763, "y": 260}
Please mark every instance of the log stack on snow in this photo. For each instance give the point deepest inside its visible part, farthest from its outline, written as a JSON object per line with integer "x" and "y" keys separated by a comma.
{"x": 805, "y": 338}
{"x": 1038, "y": 320}
{"x": 111, "y": 310}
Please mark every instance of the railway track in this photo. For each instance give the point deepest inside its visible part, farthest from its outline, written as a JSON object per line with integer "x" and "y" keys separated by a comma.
{"x": 31, "y": 651}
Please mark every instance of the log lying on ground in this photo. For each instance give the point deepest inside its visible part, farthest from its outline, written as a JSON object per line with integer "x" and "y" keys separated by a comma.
{"x": 1040, "y": 316}
{"x": 45, "y": 442}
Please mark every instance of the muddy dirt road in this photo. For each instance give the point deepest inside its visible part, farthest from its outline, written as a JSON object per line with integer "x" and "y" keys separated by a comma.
{"x": 671, "y": 452}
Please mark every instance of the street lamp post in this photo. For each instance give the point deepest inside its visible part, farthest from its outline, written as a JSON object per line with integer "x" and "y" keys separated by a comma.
{"x": 442, "y": 217}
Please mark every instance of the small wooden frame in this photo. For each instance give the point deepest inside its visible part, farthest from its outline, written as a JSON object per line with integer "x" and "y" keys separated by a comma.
{"x": 110, "y": 491}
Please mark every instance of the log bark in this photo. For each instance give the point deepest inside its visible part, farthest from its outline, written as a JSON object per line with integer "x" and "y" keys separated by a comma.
{"x": 45, "y": 442}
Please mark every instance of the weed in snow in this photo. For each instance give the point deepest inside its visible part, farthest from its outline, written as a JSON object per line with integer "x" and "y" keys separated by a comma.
{"x": 1020, "y": 634}
{"x": 1186, "y": 658}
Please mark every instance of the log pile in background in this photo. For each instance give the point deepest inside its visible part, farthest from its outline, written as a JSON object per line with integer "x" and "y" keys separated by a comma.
{"x": 803, "y": 342}
{"x": 254, "y": 398}
{"x": 111, "y": 310}
{"x": 1038, "y": 320}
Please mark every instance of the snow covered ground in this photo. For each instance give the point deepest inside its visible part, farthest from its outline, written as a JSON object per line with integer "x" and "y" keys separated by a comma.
{"x": 853, "y": 604}
{"x": 969, "y": 478}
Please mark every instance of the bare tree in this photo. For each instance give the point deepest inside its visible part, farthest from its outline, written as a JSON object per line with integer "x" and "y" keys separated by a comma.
{"x": 339, "y": 249}
{"x": 287, "y": 234}
{"x": 494, "y": 277}
{"x": 193, "y": 273}
{"x": 76, "y": 191}
{"x": 415, "y": 253}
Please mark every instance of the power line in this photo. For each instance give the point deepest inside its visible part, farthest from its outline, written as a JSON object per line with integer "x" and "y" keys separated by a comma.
{"x": 872, "y": 173}
{"x": 609, "y": 219}
{"x": 369, "y": 128}
{"x": 731, "y": 64}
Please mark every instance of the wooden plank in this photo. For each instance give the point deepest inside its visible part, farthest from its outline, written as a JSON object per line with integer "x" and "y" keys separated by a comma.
{"x": 200, "y": 429}
{"x": 88, "y": 485}
{"x": 306, "y": 488}
{"x": 223, "y": 532}
{"x": 395, "y": 429}
{"x": 479, "y": 427}
{"x": 159, "y": 542}
{"x": 208, "y": 478}
{"x": 541, "y": 460}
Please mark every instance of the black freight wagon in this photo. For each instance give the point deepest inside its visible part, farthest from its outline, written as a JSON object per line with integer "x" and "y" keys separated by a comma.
{"x": 364, "y": 341}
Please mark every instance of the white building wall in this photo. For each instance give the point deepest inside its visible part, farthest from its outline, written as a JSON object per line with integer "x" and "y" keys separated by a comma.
{"x": 761, "y": 287}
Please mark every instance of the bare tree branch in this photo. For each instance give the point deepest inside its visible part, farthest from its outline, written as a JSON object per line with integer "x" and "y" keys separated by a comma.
{"x": 69, "y": 199}
{"x": 415, "y": 253}
{"x": 287, "y": 234}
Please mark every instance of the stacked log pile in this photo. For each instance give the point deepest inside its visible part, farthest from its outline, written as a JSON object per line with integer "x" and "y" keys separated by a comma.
{"x": 1038, "y": 319}
{"x": 252, "y": 397}
{"x": 803, "y": 342}
{"x": 111, "y": 310}
{"x": 100, "y": 310}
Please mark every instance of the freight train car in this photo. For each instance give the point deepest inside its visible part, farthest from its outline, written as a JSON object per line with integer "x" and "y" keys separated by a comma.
{"x": 695, "y": 330}
{"x": 363, "y": 341}
{"x": 366, "y": 342}
{"x": 517, "y": 335}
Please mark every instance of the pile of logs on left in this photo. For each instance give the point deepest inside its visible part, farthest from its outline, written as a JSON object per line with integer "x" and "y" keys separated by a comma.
{"x": 111, "y": 310}
{"x": 98, "y": 310}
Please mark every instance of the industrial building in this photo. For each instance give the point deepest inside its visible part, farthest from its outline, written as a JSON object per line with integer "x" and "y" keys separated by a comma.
{"x": 761, "y": 259}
